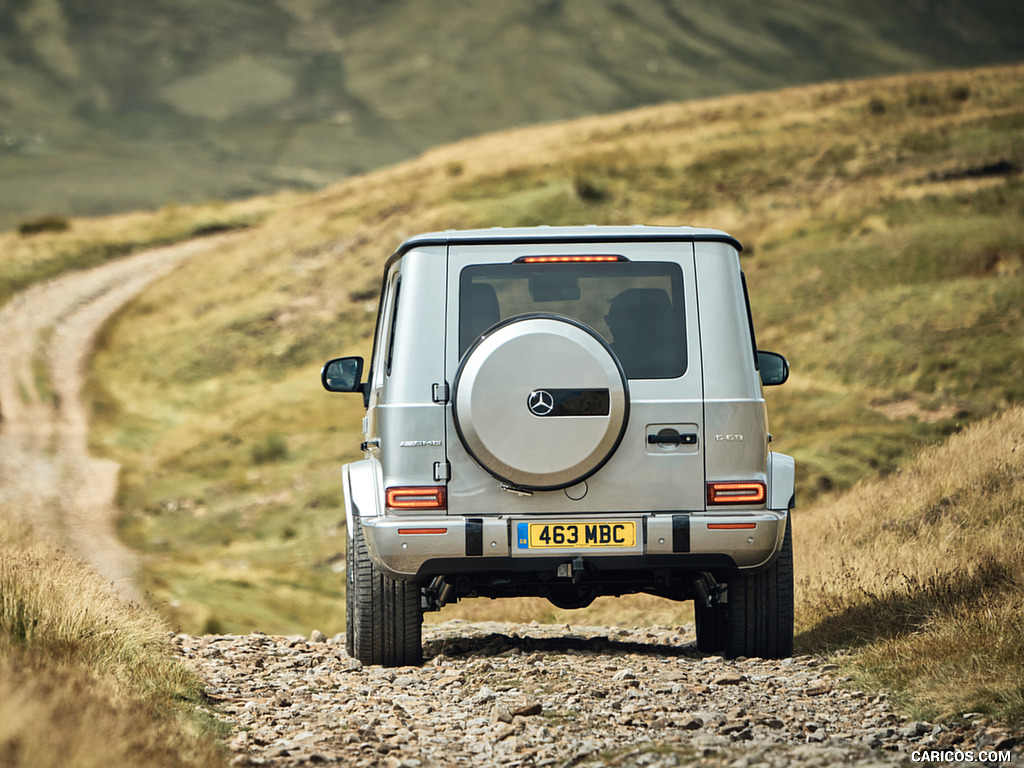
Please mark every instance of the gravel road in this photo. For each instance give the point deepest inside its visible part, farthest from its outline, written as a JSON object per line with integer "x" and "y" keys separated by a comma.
{"x": 539, "y": 695}
{"x": 46, "y": 473}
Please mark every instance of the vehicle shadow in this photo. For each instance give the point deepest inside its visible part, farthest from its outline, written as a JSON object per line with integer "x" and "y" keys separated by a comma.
{"x": 497, "y": 644}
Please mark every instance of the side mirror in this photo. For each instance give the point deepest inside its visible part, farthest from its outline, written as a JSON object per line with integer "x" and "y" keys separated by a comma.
{"x": 343, "y": 375}
{"x": 774, "y": 368}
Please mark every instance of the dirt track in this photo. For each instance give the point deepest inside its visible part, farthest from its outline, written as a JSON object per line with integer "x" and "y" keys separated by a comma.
{"x": 521, "y": 696}
{"x": 46, "y": 473}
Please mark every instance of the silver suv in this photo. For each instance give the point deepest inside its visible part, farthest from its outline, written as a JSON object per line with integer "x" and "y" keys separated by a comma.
{"x": 566, "y": 413}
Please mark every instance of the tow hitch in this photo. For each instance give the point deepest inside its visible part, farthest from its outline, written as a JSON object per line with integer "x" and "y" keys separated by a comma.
{"x": 572, "y": 570}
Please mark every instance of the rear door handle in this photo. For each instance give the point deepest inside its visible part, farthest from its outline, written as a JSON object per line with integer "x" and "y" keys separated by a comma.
{"x": 688, "y": 438}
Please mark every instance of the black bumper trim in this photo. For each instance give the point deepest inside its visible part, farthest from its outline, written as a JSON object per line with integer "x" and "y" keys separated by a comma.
{"x": 680, "y": 533}
{"x": 474, "y": 537}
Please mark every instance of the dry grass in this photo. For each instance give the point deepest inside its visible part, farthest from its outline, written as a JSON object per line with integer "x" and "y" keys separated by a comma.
{"x": 921, "y": 575}
{"x": 85, "y": 679}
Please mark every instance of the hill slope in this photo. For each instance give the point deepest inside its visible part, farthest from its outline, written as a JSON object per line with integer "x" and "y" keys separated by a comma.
{"x": 885, "y": 257}
{"x": 110, "y": 107}
{"x": 920, "y": 575}
{"x": 884, "y": 251}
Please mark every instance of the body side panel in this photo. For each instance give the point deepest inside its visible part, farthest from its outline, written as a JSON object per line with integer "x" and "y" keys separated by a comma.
{"x": 736, "y": 420}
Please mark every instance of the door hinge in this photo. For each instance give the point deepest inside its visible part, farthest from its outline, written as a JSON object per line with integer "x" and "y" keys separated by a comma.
{"x": 517, "y": 491}
{"x": 441, "y": 392}
{"x": 442, "y": 471}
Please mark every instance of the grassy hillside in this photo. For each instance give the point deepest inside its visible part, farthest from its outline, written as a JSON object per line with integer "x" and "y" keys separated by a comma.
{"x": 920, "y": 576}
{"x": 884, "y": 247}
{"x": 86, "y": 680}
{"x": 47, "y": 246}
{"x": 112, "y": 107}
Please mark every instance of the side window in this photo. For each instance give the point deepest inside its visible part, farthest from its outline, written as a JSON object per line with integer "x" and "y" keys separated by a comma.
{"x": 383, "y": 341}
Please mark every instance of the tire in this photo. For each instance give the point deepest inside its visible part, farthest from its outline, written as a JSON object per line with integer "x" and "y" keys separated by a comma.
{"x": 385, "y": 616}
{"x": 759, "y": 612}
{"x": 403, "y": 624}
{"x": 363, "y": 608}
{"x": 350, "y": 599}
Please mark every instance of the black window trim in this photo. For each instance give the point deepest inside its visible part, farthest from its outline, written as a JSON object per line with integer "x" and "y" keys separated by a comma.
{"x": 391, "y": 327}
{"x": 750, "y": 320}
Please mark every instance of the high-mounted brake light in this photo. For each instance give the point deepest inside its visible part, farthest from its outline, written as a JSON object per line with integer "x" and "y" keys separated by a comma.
{"x": 567, "y": 259}
{"x": 737, "y": 493}
{"x": 426, "y": 497}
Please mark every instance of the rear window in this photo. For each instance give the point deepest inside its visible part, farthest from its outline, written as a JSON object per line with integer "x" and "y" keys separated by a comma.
{"x": 637, "y": 307}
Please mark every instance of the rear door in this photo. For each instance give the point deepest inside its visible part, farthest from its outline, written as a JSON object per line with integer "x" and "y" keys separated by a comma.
{"x": 635, "y": 301}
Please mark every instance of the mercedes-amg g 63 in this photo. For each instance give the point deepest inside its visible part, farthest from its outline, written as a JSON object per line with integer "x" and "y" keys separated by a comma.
{"x": 566, "y": 412}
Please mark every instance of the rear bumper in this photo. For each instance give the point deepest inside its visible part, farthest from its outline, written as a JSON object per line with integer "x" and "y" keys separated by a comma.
{"x": 414, "y": 548}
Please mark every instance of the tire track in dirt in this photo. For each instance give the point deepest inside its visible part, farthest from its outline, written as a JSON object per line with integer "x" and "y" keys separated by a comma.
{"x": 47, "y": 476}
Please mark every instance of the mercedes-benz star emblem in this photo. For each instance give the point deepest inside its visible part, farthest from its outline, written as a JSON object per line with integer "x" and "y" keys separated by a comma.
{"x": 540, "y": 402}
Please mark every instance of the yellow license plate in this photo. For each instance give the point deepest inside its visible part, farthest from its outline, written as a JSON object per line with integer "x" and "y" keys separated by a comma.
{"x": 616, "y": 533}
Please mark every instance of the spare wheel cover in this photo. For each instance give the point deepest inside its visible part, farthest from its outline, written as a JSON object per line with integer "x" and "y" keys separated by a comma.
{"x": 540, "y": 401}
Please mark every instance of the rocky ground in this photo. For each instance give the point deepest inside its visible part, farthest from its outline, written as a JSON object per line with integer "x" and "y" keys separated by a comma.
{"x": 538, "y": 695}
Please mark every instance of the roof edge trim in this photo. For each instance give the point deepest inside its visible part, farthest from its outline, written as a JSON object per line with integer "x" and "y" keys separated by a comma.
{"x": 550, "y": 239}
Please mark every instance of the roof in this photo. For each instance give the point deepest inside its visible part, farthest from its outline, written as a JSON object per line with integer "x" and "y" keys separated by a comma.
{"x": 582, "y": 234}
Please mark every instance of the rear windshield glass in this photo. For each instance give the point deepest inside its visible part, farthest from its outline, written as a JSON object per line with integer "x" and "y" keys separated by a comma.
{"x": 637, "y": 307}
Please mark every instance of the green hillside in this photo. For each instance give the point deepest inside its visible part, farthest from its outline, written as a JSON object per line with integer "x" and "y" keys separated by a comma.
{"x": 107, "y": 107}
{"x": 883, "y": 243}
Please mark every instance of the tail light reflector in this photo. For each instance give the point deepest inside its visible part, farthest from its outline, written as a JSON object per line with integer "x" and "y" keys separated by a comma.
{"x": 731, "y": 526}
{"x": 737, "y": 493}
{"x": 421, "y": 531}
{"x": 425, "y": 497}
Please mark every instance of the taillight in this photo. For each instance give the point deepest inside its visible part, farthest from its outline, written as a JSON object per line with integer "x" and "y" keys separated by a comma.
{"x": 737, "y": 493}
{"x": 420, "y": 497}
{"x": 590, "y": 259}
